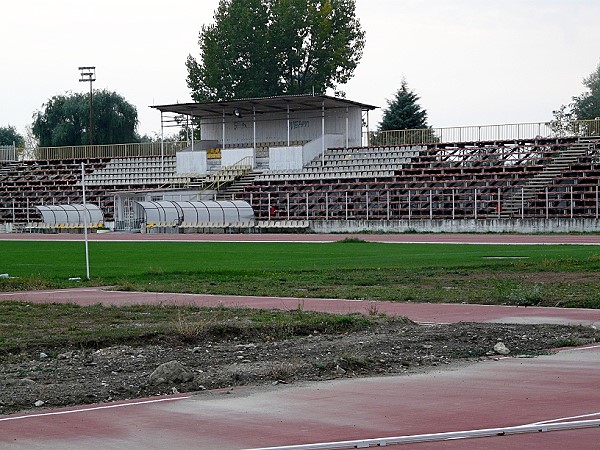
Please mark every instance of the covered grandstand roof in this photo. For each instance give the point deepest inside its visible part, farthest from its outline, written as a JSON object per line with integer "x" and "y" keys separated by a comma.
{"x": 261, "y": 105}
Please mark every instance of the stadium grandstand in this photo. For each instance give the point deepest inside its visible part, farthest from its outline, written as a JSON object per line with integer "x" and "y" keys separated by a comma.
{"x": 311, "y": 163}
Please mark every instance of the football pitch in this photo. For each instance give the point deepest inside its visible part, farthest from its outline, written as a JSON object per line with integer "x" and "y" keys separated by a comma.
{"x": 550, "y": 275}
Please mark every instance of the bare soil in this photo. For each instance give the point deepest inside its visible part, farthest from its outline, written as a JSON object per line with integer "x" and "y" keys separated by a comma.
{"x": 74, "y": 376}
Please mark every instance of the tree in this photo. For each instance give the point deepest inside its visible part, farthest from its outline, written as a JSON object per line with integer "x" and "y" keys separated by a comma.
{"x": 10, "y": 136}
{"x": 585, "y": 106}
{"x": 403, "y": 112}
{"x": 65, "y": 120}
{"x": 259, "y": 48}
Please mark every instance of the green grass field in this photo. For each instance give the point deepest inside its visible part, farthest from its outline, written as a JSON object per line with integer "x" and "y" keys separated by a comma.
{"x": 493, "y": 274}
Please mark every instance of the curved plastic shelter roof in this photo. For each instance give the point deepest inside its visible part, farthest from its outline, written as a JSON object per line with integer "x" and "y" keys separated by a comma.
{"x": 71, "y": 214}
{"x": 202, "y": 213}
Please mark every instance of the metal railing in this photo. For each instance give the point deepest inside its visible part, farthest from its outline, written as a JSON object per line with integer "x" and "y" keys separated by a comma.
{"x": 228, "y": 174}
{"x": 110, "y": 151}
{"x": 8, "y": 153}
{"x": 482, "y": 133}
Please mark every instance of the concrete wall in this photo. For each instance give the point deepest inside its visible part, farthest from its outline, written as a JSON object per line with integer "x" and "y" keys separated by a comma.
{"x": 191, "y": 162}
{"x": 458, "y": 226}
{"x": 234, "y": 155}
{"x": 285, "y": 158}
{"x": 314, "y": 148}
{"x": 273, "y": 128}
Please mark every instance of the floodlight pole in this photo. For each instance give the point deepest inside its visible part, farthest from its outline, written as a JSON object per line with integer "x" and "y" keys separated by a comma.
{"x": 85, "y": 224}
{"x": 88, "y": 73}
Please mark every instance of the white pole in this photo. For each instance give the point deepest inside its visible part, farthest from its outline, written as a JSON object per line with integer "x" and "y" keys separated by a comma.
{"x": 192, "y": 127}
{"x": 547, "y": 204}
{"x": 269, "y": 203}
{"x": 571, "y": 202}
{"x": 323, "y": 134}
{"x": 307, "y": 206}
{"x": 522, "y": 203}
{"x": 499, "y": 206}
{"x": 453, "y": 207}
{"x": 288, "y": 206}
{"x": 596, "y": 202}
{"x": 162, "y": 145}
{"x": 347, "y": 205}
{"x": 326, "y": 205}
{"x": 430, "y": 204}
{"x": 347, "y": 127}
{"x": 475, "y": 204}
{"x": 367, "y": 205}
{"x": 409, "y": 211}
{"x": 388, "y": 205}
{"x": 288, "y": 125}
{"x": 85, "y": 233}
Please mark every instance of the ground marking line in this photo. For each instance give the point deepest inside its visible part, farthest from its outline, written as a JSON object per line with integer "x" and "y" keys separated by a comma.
{"x": 566, "y": 418}
{"x": 96, "y": 408}
{"x": 576, "y": 349}
{"x": 440, "y": 437}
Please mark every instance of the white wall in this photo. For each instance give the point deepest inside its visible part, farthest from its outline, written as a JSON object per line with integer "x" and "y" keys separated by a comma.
{"x": 234, "y": 155}
{"x": 314, "y": 148}
{"x": 191, "y": 162}
{"x": 273, "y": 127}
{"x": 458, "y": 226}
{"x": 285, "y": 158}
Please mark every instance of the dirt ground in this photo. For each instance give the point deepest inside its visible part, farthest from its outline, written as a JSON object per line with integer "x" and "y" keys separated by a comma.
{"x": 71, "y": 376}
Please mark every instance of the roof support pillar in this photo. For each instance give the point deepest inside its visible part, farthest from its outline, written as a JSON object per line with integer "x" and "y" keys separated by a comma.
{"x": 223, "y": 143}
{"x": 254, "y": 135}
{"x": 323, "y": 134}
{"x": 347, "y": 127}
{"x": 288, "y": 124}
{"x": 162, "y": 143}
{"x": 192, "y": 127}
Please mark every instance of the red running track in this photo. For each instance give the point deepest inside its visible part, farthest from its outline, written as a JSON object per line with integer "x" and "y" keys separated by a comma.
{"x": 509, "y": 392}
{"x": 508, "y": 239}
{"x": 419, "y": 312}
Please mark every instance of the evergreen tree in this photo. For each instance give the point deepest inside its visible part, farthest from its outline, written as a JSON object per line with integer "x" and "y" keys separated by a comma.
{"x": 403, "y": 112}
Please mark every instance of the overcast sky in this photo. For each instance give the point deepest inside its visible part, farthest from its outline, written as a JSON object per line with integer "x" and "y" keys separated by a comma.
{"x": 472, "y": 62}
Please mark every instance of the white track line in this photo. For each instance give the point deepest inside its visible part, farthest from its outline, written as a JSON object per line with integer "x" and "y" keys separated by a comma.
{"x": 581, "y": 416}
{"x": 95, "y": 408}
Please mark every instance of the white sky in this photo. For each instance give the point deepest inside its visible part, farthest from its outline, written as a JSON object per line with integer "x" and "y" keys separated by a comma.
{"x": 472, "y": 62}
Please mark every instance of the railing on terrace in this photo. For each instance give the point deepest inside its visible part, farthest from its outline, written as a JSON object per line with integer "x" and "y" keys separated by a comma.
{"x": 8, "y": 153}
{"x": 110, "y": 151}
{"x": 482, "y": 133}
{"x": 229, "y": 173}
{"x": 477, "y": 133}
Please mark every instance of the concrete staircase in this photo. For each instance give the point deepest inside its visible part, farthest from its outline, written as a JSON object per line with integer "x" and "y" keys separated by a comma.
{"x": 233, "y": 190}
{"x": 512, "y": 203}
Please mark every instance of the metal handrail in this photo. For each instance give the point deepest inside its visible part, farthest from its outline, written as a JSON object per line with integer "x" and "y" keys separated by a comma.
{"x": 230, "y": 173}
{"x": 481, "y": 133}
{"x": 474, "y": 133}
{"x": 110, "y": 151}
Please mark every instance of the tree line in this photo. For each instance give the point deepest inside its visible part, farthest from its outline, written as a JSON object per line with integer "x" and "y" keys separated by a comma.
{"x": 257, "y": 48}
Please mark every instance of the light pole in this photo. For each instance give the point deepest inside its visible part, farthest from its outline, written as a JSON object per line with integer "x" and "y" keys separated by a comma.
{"x": 89, "y": 74}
